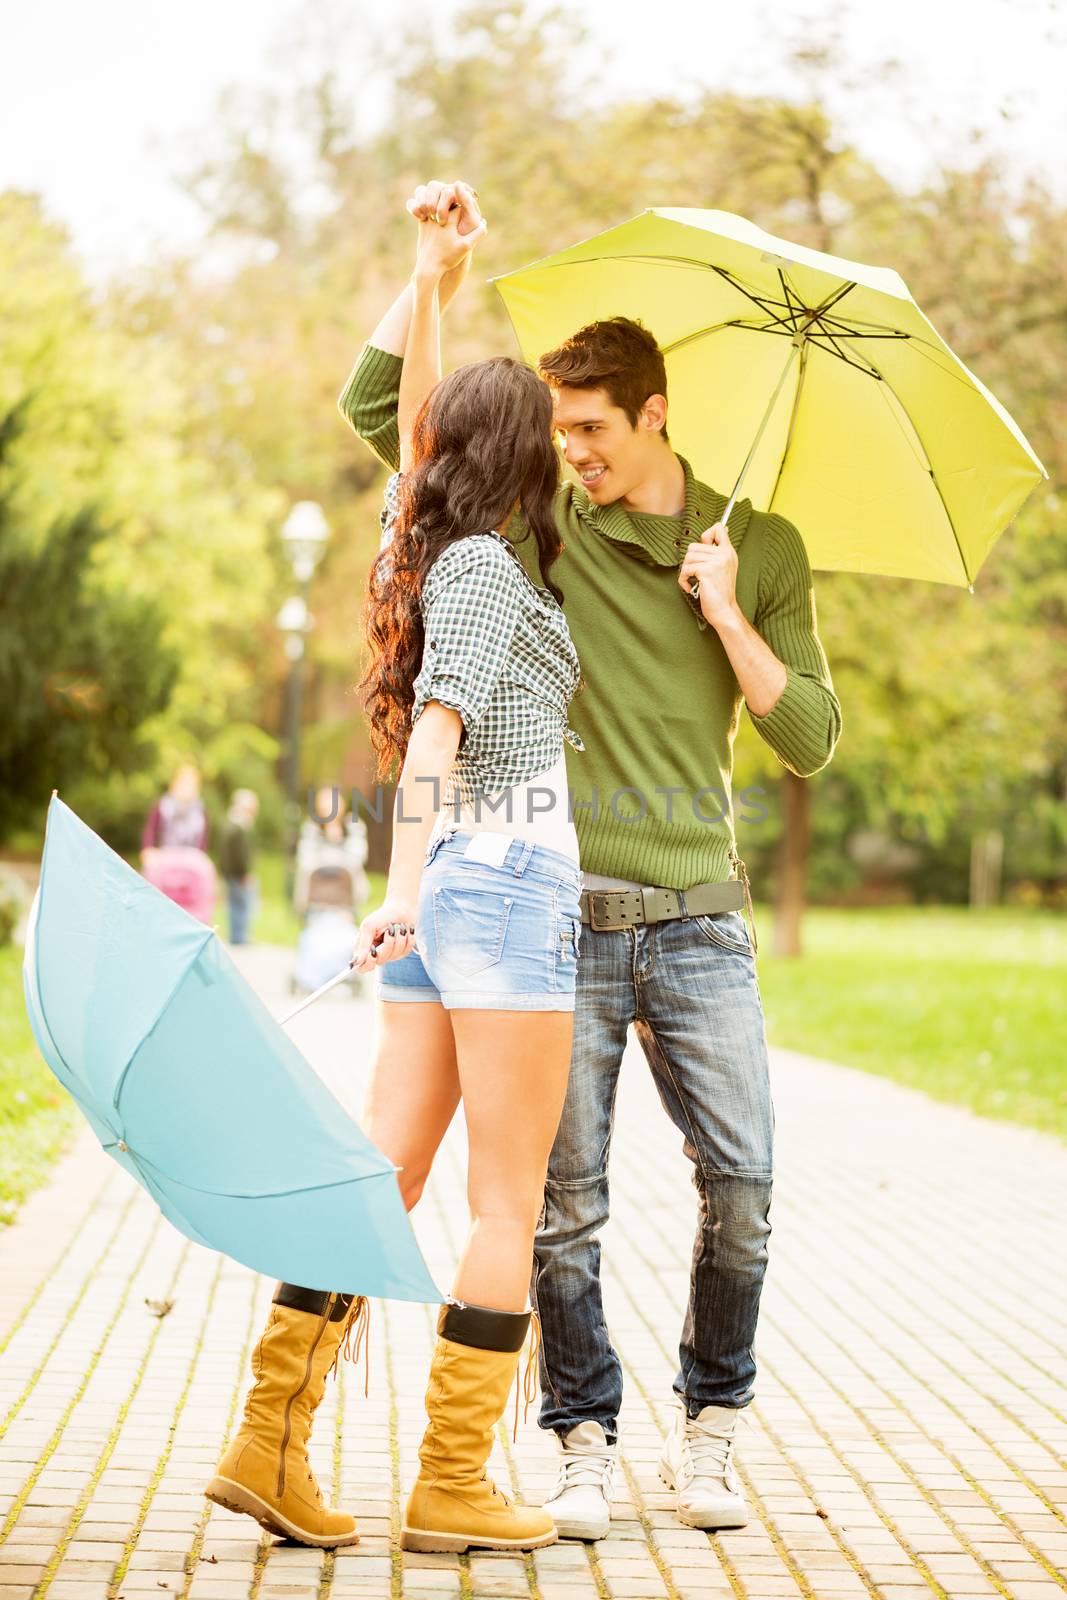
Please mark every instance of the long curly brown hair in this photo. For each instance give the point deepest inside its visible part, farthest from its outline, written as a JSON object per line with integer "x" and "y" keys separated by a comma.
{"x": 481, "y": 448}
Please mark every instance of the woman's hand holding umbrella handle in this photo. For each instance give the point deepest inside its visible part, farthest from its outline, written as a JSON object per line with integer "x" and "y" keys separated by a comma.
{"x": 384, "y": 935}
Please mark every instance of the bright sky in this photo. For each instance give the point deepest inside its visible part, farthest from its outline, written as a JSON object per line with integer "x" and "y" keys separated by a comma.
{"x": 101, "y": 103}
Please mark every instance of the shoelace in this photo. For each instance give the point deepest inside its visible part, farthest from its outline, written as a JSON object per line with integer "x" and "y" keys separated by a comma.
{"x": 495, "y": 1489}
{"x": 316, "y": 1492}
{"x": 355, "y": 1340}
{"x": 586, "y": 1471}
{"x": 528, "y": 1385}
{"x": 702, "y": 1452}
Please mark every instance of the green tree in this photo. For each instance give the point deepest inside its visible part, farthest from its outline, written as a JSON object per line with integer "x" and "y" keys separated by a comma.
{"x": 119, "y": 482}
{"x": 80, "y": 668}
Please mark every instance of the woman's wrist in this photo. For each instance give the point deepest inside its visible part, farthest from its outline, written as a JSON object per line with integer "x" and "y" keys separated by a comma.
{"x": 401, "y": 889}
{"x": 452, "y": 281}
{"x": 426, "y": 279}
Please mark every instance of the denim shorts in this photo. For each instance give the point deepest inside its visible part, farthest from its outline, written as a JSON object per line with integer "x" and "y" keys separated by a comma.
{"x": 489, "y": 936}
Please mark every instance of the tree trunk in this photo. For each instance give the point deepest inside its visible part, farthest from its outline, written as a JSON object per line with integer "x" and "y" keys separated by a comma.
{"x": 792, "y": 864}
{"x": 987, "y": 861}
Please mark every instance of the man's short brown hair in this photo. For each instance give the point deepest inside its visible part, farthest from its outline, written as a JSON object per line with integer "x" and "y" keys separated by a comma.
{"x": 616, "y": 355}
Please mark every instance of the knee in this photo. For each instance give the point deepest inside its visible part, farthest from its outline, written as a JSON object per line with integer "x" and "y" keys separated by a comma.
{"x": 573, "y": 1211}
{"x": 736, "y": 1215}
{"x": 411, "y": 1180}
{"x": 413, "y": 1164}
{"x": 515, "y": 1213}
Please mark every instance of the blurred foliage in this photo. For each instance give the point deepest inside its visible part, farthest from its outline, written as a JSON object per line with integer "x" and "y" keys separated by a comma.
{"x": 81, "y": 668}
{"x": 190, "y": 406}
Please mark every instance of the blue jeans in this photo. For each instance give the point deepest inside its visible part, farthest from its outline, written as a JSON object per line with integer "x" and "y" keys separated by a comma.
{"x": 242, "y": 904}
{"x": 689, "y": 988}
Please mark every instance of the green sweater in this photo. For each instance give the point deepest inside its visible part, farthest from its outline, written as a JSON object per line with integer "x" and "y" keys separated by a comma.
{"x": 659, "y": 704}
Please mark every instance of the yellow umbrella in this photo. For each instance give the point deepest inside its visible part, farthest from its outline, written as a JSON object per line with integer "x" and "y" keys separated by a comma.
{"x": 877, "y": 442}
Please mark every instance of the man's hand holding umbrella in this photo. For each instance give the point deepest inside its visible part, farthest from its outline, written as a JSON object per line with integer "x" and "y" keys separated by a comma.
{"x": 712, "y": 563}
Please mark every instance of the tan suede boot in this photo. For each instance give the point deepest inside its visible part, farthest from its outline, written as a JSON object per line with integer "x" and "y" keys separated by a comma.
{"x": 454, "y": 1505}
{"x": 265, "y": 1473}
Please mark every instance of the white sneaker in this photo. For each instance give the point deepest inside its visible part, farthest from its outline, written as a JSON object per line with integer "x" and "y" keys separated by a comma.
{"x": 697, "y": 1462}
{"x": 580, "y": 1504}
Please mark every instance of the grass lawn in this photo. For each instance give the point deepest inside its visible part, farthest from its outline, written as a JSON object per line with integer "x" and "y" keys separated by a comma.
{"x": 969, "y": 1006}
{"x": 37, "y": 1116}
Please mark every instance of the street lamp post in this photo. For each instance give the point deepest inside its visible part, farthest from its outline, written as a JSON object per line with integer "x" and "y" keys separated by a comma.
{"x": 304, "y": 536}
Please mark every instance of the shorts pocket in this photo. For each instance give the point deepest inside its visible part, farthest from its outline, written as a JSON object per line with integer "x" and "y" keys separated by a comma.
{"x": 469, "y": 927}
{"x": 726, "y": 929}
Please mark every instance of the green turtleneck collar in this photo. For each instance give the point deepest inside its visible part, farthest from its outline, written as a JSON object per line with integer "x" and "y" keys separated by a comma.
{"x": 661, "y": 540}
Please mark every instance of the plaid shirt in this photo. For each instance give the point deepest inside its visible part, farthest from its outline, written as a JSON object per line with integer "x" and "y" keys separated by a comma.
{"x": 498, "y": 651}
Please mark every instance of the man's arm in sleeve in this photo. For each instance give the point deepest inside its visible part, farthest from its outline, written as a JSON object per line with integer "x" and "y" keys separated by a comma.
{"x": 804, "y": 724}
{"x": 369, "y": 401}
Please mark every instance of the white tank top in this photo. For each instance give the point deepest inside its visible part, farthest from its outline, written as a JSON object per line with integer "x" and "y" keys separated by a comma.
{"x": 538, "y": 809}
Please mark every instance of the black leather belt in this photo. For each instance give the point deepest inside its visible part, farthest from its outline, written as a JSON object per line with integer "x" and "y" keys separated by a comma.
{"x": 610, "y": 909}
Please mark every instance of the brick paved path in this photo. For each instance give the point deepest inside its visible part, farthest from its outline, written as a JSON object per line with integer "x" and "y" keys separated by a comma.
{"x": 909, "y": 1437}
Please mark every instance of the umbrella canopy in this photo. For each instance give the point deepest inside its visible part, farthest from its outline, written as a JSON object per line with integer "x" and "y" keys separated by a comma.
{"x": 884, "y": 450}
{"x": 194, "y": 1089}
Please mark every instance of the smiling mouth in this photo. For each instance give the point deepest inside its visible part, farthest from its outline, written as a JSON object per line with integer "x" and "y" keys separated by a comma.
{"x": 591, "y": 476}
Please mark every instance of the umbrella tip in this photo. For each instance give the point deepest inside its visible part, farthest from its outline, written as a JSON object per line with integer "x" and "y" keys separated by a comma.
{"x": 970, "y": 588}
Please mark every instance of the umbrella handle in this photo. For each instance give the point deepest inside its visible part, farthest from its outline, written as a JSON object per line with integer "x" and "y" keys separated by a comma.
{"x": 794, "y": 348}
{"x": 309, "y": 1000}
{"x": 317, "y": 994}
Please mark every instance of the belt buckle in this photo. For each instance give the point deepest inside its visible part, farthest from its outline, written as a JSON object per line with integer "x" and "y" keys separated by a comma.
{"x": 596, "y": 920}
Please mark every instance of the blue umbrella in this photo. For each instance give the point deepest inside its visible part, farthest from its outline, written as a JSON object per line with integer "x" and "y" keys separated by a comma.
{"x": 190, "y": 1084}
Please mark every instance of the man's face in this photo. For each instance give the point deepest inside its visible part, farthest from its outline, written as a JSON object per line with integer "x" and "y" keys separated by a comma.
{"x": 611, "y": 456}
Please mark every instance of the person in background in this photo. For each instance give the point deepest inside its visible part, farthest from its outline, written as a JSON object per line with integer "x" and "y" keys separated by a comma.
{"x": 235, "y": 861}
{"x": 333, "y": 838}
{"x": 174, "y": 855}
{"x": 177, "y": 820}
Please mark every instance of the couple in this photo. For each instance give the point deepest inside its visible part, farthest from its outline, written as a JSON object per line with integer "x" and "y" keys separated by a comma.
{"x": 483, "y": 994}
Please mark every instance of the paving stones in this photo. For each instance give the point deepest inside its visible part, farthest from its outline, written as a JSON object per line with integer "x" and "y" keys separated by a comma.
{"x": 909, "y": 1437}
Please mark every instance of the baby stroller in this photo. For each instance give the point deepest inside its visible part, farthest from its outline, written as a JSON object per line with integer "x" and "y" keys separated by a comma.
{"x": 330, "y": 887}
{"x": 186, "y": 876}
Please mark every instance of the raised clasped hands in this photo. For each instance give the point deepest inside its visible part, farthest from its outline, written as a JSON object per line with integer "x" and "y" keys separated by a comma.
{"x": 713, "y": 563}
{"x": 450, "y": 225}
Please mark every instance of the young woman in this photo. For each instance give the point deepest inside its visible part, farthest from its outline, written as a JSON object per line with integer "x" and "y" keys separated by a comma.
{"x": 470, "y": 675}
{"x": 471, "y": 671}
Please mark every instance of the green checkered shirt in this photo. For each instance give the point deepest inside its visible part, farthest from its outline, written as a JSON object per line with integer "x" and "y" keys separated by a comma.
{"x": 498, "y": 651}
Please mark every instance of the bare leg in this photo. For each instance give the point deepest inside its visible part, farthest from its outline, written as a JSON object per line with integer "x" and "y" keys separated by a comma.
{"x": 513, "y": 1069}
{"x": 414, "y": 1089}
